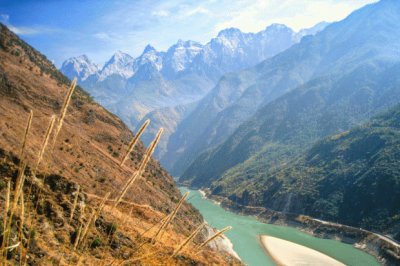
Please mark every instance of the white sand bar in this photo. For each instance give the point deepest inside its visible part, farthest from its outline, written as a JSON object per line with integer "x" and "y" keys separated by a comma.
{"x": 291, "y": 254}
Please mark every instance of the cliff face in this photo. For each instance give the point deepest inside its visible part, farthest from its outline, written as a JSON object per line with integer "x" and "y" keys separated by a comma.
{"x": 87, "y": 153}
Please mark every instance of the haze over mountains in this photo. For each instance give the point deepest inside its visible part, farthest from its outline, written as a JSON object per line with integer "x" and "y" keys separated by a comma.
{"x": 249, "y": 116}
{"x": 167, "y": 81}
{"x": 333, "y": 81}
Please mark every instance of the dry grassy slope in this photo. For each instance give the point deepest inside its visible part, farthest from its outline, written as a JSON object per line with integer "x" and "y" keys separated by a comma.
{"x": 90, "y": 143}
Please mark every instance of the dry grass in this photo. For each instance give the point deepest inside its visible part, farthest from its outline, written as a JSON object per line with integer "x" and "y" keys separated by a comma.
{"x": 47, "y": 211}
{"x": 217, "y": 234}
{"x": 92, "y": 219}
{"x": 64, "y": 110}
{"x": 5, "y": 220}
{"x": 21, "y": 225}
{"x": 17, "y": 192}
{"x": 45, "y": 142}
{"x": 83, "y": 231}
{"x": 142, "y": 167}
{"x": 180, "y": 248}
{"x": 28, "y": 126}
{"x": 134, "y": 141}
{"x": 170, "y": 217}
{"x": 75, "y": 203}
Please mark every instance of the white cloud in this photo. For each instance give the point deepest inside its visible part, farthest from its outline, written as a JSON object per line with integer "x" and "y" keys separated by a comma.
{"x": 21, "y": 30}
{"x": 297, "y": 14}
{"x": 160, "y": 13}
{"x": 181, "y": 12}
{"x": 195, "y": 11}
{"x": 102, "y": 36}
{"x": 24, "y": 30}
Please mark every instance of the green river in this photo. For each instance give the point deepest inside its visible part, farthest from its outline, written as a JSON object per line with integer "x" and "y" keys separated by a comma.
{"x": 246, "y": 229}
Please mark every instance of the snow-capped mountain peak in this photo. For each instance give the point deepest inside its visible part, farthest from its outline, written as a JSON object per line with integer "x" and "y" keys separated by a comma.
{"x": 227, "y": 33}
{"x": 80, "y": 67}
{"x": 231, "y": 50}
{"x": 148, "y": 49}
{"x": 150, "y": 58}
{"x": 179, "y": 56}
{"x": 119, "y": 64}
{"x": 276, "y": 28}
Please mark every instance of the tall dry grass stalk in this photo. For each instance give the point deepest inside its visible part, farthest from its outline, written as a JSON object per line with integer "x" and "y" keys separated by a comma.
{"x": 151, "y": 227}
{"x": 22, "y": 215}
{"x": 45, "y": 142}
{"x": 92, "y": 220}
{"x": 134, "y": 141}
{"x": 7, "y": 206}
{"x": 85, "y": 231}
{"x": 180, "y": 248}
{"x": 5, "y": 220}
{"x": 170, "y": 218}
{"x": 28, "y": 126}
{"x": 75, "y": 203}
{"x": 21, "y": 228}
{"x": 220, "y": 233}
{"x": 64, "y": 110}
{"x": 19, "y": 184}
{"x": 17, "y": 192}
{"x": 80, "y": 219}
{"x": 139, "y": 172}
{"x": 78, "y": 235}
{"x": 82, "y": 241}
{"x": 131, "y": 261}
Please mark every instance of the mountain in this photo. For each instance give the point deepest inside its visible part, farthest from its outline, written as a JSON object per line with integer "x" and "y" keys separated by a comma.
{"x": 352, "y": 178}
{"x": 120, "y": 64}
{"x": 235, "y": 98}
{"x": 86, "y": 154}
{"x": 311, "y": 31}
{"x": 183, "y": 74}
{"x": 345, "y": 74}
{"x": 80, "y": 67}
{"x": 179, "y": 57}
{"x": 169, "y": 118}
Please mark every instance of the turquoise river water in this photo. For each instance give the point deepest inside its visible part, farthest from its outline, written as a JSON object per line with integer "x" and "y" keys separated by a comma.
{"x": 246, "y": 229}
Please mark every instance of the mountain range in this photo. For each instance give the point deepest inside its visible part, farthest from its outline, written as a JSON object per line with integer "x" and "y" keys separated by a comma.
{"x": 327, "y": 84}
{"x": 132, "y": 88}
{"x": 290, "y": 123}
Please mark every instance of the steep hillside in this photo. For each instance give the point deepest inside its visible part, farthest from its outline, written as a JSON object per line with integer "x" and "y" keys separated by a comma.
{"x": 352, "y": 178}
{"x": 87, "y": 153}
{"x": 351, "y": 65}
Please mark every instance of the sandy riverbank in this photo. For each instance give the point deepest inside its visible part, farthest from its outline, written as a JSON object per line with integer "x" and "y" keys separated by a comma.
{"x": 288, "y": 253}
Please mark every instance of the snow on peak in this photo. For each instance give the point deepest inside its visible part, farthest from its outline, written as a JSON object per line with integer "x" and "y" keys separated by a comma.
{"x": 231, "y": 50}
{"x": 80, "y": 67}
{"x": 180, "y": 56}
{"x": 120, "y": 64}
{"x": 230, "y": 32}
{"x": 150, "y": 56}
{"x": 276, "y": 27}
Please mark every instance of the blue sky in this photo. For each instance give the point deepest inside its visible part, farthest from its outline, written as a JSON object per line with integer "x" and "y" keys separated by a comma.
{"x": 62, "y": 29}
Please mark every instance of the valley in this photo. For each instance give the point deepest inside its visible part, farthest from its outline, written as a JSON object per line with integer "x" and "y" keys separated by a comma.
{"x": 247, "y": 230}
{"x": 275, "y": 145}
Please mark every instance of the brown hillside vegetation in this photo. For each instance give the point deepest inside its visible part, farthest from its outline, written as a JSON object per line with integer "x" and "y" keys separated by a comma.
{"x": 77, "y": 171}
